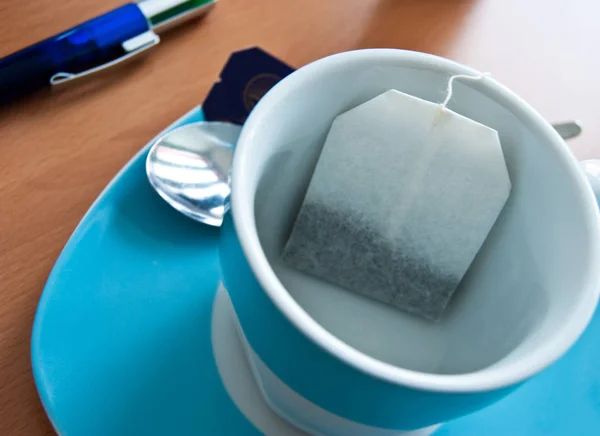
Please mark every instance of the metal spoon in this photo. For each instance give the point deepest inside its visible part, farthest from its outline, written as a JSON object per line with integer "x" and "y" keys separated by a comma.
{"x": 189, "y": 167}
{"x": 568, "y": 130}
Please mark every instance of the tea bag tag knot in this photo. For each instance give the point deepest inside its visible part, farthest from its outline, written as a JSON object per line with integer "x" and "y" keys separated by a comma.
{"x": 450, "y": 88}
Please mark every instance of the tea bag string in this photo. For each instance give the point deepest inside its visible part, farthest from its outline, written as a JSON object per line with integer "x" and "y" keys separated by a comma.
{"x": 450, "y": 89}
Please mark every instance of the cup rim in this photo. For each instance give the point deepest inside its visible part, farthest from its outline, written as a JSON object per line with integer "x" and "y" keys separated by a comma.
{"x": 482, "y": 380}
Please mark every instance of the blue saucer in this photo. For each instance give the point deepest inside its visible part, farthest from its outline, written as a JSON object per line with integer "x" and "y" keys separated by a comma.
{"x": 121, "y": 342}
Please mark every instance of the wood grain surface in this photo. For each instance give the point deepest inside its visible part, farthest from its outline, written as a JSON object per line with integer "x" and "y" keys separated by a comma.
{"x": 58, "y": 151}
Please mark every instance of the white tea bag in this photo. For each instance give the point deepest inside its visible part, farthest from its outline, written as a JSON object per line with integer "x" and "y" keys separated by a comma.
{"x": 402, "y": 198}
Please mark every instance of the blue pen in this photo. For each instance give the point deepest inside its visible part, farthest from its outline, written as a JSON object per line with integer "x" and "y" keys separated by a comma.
{"x": 93, "y": 46}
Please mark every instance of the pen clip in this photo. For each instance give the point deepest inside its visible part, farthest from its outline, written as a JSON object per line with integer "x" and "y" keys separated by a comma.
{"x": 132, "y": 47}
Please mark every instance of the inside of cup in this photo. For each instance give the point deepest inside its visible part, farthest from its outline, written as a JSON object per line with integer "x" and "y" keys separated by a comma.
{"x": 524, "y": 282}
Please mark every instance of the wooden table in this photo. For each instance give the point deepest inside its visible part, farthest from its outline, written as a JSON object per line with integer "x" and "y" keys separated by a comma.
{"x": 57, "y": 152}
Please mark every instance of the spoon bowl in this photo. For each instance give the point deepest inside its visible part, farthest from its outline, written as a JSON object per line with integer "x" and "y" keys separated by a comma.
{"x": 189, "y": 168}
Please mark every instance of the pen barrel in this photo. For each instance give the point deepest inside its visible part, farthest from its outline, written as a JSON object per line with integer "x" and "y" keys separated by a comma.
{"x": 25, "y": 71}
{"x": 81, "y": 48}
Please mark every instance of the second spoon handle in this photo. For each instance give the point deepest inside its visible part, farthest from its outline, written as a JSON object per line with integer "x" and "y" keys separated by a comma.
{"x": 568, "y": 129}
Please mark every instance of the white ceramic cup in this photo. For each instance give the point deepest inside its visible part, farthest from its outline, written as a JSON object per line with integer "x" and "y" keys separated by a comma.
{"x": 335, "y": 363}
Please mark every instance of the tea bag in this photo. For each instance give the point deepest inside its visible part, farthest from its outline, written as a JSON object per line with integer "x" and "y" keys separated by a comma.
{"x": 403, "y": 195}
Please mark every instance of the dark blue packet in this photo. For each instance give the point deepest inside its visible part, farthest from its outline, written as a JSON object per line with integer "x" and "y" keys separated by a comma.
{"x": 245, "y": 79}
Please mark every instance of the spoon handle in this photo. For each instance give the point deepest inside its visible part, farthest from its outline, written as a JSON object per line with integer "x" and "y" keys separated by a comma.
{"x": 568, "y": 130}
